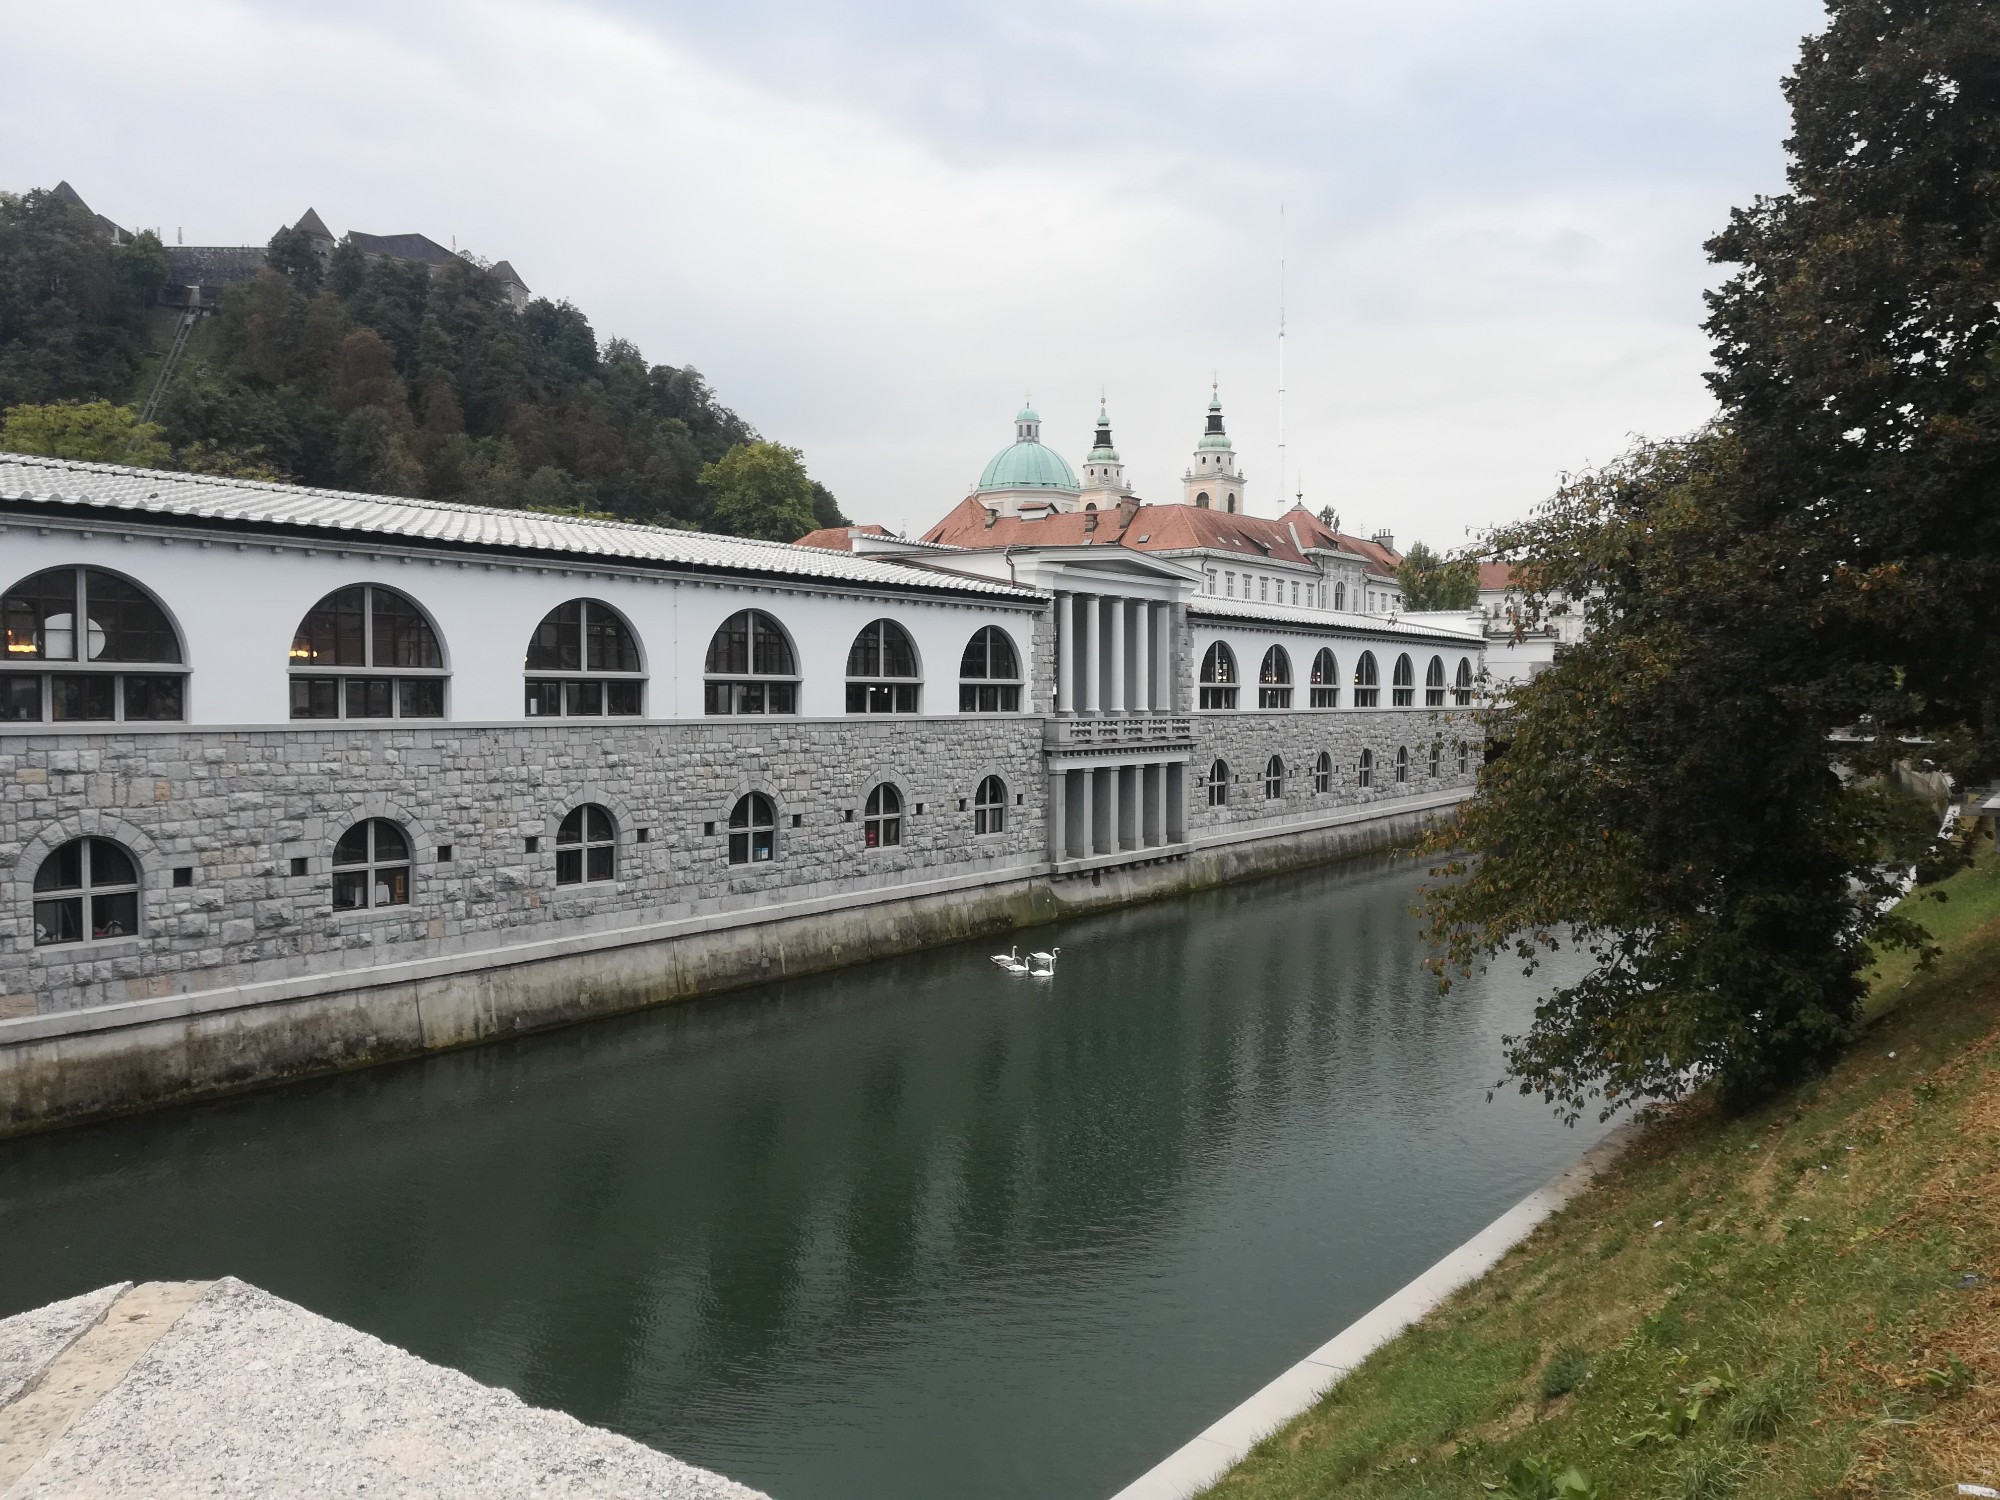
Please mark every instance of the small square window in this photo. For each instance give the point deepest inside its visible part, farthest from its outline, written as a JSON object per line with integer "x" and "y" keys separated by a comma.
{"x": 1020, "y": 799}
{"x": 645, "y": 835}
{"x": 298, "y": 864}
{"x": 961, "y": 804}
{"x": 445, "y": 852}
{"x": 798, "y": 820}
{"x": 534, "y": 843}
{"x": 183, "y": 874}
{"x": 708, "y": 830}
{"x": 920, "y": 809}
{"x": 847, "y": 816}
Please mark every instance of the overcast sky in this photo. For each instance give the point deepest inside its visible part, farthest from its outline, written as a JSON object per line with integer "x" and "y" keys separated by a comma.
{"x": 874, "y": 227}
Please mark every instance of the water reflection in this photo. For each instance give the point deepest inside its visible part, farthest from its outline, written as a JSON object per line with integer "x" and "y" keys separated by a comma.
{"x": 915, "y": 1229}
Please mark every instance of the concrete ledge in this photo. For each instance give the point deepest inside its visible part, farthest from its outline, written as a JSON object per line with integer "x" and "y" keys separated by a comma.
{"x": 214, "y": 1388}
{"x": 76, "y": 1065}
{"x": 1223, "y": 1444}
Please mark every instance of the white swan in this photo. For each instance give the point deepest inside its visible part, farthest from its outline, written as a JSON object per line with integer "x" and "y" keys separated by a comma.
{"x": 1010, "y": 962}
{"x": 1047, "y": 962}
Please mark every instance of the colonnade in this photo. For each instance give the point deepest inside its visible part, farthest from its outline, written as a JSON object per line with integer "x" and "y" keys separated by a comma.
{"x": 1114, "y": 655}
{"x": 1116, "y": 809}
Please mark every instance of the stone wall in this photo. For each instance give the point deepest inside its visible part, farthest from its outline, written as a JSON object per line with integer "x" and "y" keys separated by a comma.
{"x": 230, "y": 812}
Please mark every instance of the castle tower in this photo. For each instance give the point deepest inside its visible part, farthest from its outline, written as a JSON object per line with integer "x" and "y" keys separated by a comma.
{"x": 1212, "y": 481}
{"x": 1103, "y": 471}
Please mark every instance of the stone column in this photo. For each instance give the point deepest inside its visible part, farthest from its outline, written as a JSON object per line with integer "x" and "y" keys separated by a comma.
{"x": 1143, "y": 700}
{"x": 1065, "y": 656}
{"x": 1115, "y": 701}
{"x": 1156, "y": 805}
{"x": 1086, "y": 640}
{"x": 1176, "y": 825}
{"x": 1158, "y": 618}
{"x": 1058, "y": 814}
{"x": 1104, "y": 814}
{"x": 1087, "y": 823}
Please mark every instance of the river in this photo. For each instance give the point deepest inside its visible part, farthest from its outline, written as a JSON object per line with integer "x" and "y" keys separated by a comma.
{"x": 913, "y": 1229}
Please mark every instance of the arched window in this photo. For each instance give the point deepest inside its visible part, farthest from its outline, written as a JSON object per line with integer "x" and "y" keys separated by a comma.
{"x": 882, "y": 670}
{"x": 1340, "y": 596}
{"x": 371, "y": 866}
{"x": 1364, "y": 770}
{"x": 990, "y": 674}
{"x": 989, "y": 806}
{"x": 1274, "y": 778}
{"x": 882, "y": 818}
{"x": 1323, "y": 773}
{"x": 366, "y": 652}
{"x": 1367, "y": 682}
{"x": 1274, "y": 679}
{"x": 586, "y": 846}
{"x": 1325, "y": 680}
{"x": 1464, "y": 757}
{"x": 750, "y": 668}
{"x": 1403, "y": 687}
{"x": 1402, "y": 764}
{"x": 1462, "y": 690}
{"x": 86, "y": 891}
{"x": 583, "y": 660}
{"x": 121, "y": 624}
{"x": 1218, "y": 677}
{"x": 753, "y": 830}
{"x": 1218, "y": 784}
{"x": 1201, "y": 500}
{"x": 1437, "y": 757}
{"x": 1434, "y": 683}
{"x": 1232, "y": 505}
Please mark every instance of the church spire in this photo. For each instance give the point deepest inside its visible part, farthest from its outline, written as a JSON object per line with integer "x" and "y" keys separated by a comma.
{"x": 1103, "y": 471}
{"x": 1212, "y": 481}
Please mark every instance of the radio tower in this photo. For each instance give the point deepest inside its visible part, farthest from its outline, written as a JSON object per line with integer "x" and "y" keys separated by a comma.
{"x": 1281, "y": 353}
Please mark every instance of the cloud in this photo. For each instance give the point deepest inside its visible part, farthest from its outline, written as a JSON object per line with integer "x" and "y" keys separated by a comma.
{"x": 873, "y": 227}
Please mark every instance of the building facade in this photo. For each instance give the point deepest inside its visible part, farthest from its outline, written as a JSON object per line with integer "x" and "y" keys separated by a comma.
{"x": 299, "y": 768}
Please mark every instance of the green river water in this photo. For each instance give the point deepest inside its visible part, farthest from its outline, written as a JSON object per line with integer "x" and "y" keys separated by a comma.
{"x": 914, "y": 1229}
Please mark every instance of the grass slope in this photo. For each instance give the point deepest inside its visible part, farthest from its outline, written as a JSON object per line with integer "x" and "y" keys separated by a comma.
{"x": 1801, "y": 1302}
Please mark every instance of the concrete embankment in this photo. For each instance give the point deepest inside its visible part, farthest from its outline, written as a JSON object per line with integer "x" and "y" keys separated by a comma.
{"x": 66, "y": 1066}
{"x": 215, "y": 1388}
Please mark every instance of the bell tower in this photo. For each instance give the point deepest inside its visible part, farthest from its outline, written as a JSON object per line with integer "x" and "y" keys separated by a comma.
{"x": 1103, "y": 471}
{"x": 1212, "y": 480}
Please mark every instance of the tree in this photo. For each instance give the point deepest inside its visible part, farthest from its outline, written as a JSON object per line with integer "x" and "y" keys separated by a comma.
{"x": 72, "y": 304}
{"x": 95, "y": 431}
{"x": 1826, "y": 557}
{"x": 1432, "y": 582}
{"x": 826, "y": 509}
{"x": 761, "y": 490}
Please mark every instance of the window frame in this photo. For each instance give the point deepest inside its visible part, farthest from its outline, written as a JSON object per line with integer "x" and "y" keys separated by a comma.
{"x": 741, "y": 687}
{"x": 579, "y": 852}
{"x": 750, "y": 830}
{"x": 989, "y": 807}
{"x": 48, "y": 676}
{"x": 1364, "y": 769}
{"x": 1463, "y": 683}
{"x": 1367, "y": 681}
{"x": 1219, "y": 678}
{"x": 86, "y": 893}
{"x": 1403, "y": 682}
{"x": 1324, "y": 688}
{"x": 1434, "y": 688}
{"x": 882, "y": 823}
{"x": 1274, "y": 779}
{"x": 1402, "y": 765}
{"x": 567, "y": 684}
{"x": 371, "y": 866}
{"x": 1217, "y": 783}
{"x": 1004, "y": 690}
{"x": 1275, "y": 691}
{"x": 879, "y": 692}
{"x": 302, "y": 670}
{"x": 1323, "y": 773}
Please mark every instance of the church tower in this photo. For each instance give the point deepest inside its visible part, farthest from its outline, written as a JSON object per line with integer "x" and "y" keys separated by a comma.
{"x": 1103, "y": 471}
{"x": 1212, "y": 481}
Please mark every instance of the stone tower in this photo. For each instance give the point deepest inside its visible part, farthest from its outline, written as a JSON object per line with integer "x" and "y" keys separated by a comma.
{"x": 1103, "y": 471}
{"x": 1212, "y": 481}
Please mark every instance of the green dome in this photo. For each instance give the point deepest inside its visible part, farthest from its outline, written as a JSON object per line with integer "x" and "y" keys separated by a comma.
{"x": 1028, "y": 466}
{"x": 1214, "y": 437}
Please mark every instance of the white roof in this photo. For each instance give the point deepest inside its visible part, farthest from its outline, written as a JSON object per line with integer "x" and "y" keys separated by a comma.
{"x": 1346, "y": 621}
{"x": 152, "y": 492}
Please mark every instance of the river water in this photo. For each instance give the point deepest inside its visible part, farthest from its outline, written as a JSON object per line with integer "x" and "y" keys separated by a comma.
{"x": 915, "y": 1229}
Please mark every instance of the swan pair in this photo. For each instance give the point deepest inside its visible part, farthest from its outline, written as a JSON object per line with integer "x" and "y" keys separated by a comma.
{"x": 1040, "y": 965}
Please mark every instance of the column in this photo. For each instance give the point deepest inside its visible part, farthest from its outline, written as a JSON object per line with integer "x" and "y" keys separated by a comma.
{"x": 1104, "y": 815}
{"x": 1058, "y": 814}
{"x": 1156, "y": 808}
{"x": 1177, "y": 802}
{"x": 1130, "y": 835}
{"x": 1087, "y": 821}
{"x": 1159, "y": 618}
{"x": 1142, "y": 651}
{"x": 1115, "y": 701}
{"x": 1065, "y": 657}
{"x": 1086, "y": 640}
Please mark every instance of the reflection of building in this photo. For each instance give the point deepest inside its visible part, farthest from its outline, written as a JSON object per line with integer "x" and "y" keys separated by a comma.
{"x": 338, "y": 777}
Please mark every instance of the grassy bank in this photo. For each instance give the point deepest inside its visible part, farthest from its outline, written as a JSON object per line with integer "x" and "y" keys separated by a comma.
{"x": 1801, "y": 1302}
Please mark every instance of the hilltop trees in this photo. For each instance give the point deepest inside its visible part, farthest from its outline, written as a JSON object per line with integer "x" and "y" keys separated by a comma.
{"x": 1432, "y": 582}
{"x": 761, "y": 489}
{"x": 373, "y": 375}
{"x": 1825, "y": 558}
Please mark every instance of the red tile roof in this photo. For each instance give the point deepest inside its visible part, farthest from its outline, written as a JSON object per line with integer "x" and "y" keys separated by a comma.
{"x": 1495, "y": 576}
{"x": 1159, "y": 528}
{"x": 838, "y": 538}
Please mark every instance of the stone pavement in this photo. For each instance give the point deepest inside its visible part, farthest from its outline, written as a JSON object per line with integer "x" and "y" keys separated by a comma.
{"x": 214, "y": 1388}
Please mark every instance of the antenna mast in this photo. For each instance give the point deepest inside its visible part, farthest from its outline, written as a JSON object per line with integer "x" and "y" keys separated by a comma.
{"x": 1281, "y": 354}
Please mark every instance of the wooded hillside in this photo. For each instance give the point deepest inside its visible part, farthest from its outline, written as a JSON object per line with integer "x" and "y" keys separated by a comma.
{"x": 367, "y": 375}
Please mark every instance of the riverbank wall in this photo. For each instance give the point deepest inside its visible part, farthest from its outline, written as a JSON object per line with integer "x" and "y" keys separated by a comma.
{"x": 69, "y": 1066}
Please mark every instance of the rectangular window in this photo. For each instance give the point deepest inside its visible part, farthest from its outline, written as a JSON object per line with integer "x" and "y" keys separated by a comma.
{"x": 371, "y": 697}
{"x": 544, "y": 699}
{"x": 350, "y": 890}
{"x": 82, "y": 698}
{"x": 1218, "y": 697}
{"x": 583, "y": 698}
{"x": 1295, "y": 591}
{"x": 315, "y": 697}
{"x": 1229, "y": 584}
{"x": 420, "y": 697}
{"x": 1263, "y": 590}
{"x": 21, "y": 698}
{"x": 750, "y": 698}
{"x": 152, "y": 698}
{"x": 569, "y": 867}
{"x": 1211, "y": 580}
{"x": 115, "y": 915}
{"x": 599, "y": 861}
{"x": 622, "y": 698}
{"x": 1274, "y": 697}
{"x": 1326, "y": 697}
{"x": 59, "y": 921}
{"x": 989, "y": 698}
{"x": 882, "y": 697}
